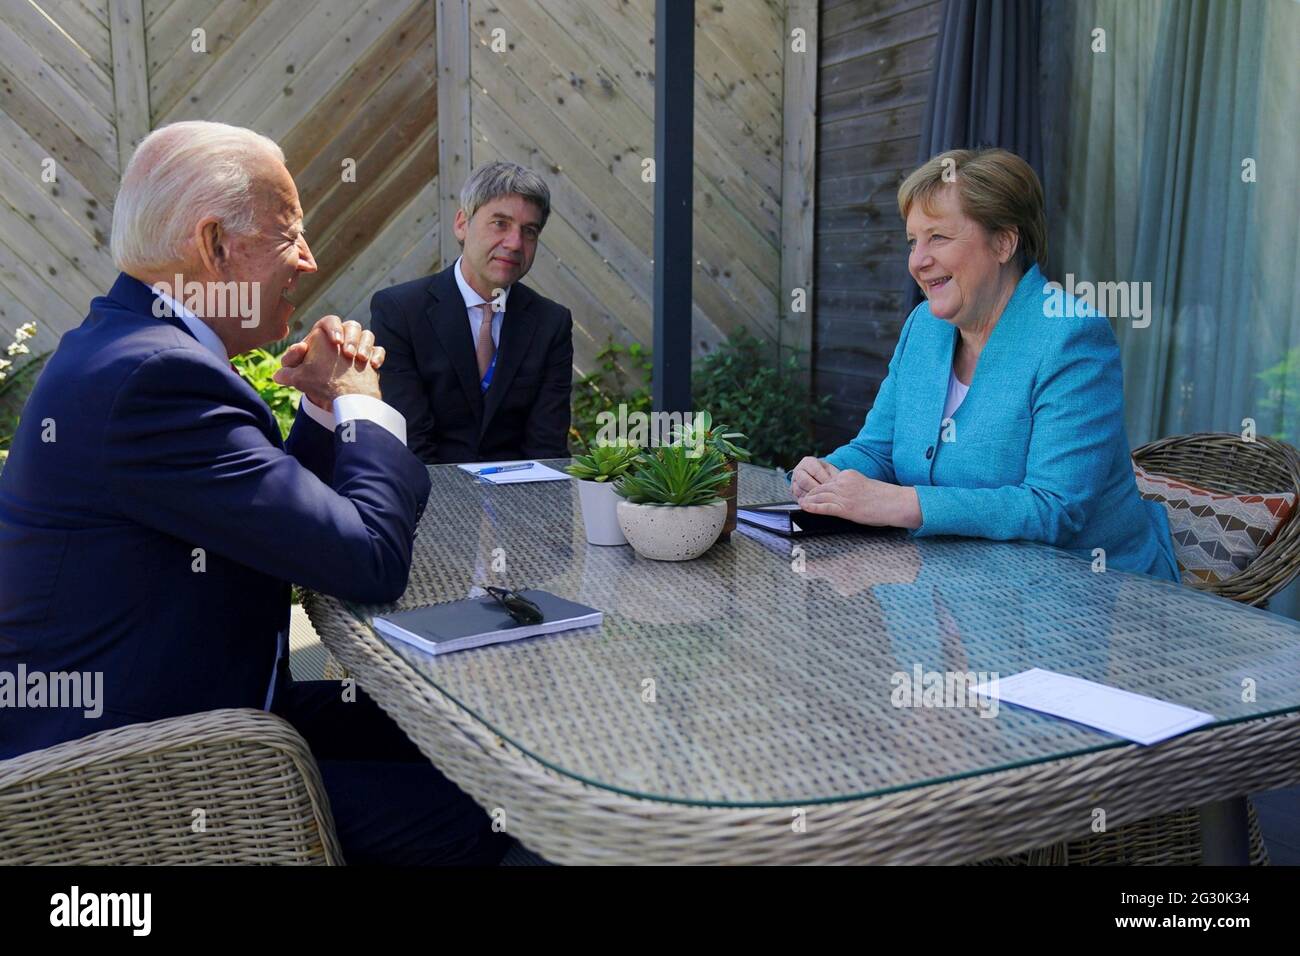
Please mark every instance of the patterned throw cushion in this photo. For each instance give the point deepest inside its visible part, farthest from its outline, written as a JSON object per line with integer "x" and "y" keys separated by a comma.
{"x": 1215, "y": 534}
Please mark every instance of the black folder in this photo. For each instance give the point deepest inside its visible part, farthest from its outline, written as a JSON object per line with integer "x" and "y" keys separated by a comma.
{"x": 788, "y": 520}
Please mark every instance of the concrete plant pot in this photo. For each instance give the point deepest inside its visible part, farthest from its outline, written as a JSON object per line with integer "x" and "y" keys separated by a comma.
{"x": 669, "y": 532}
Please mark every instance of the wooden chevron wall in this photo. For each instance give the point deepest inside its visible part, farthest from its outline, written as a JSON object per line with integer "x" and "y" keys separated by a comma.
{"x": 566, "y": 86}
{"x": 330, "y": 80}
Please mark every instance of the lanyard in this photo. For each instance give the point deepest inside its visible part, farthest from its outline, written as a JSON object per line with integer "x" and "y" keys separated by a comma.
{"x": 492, "y": 367}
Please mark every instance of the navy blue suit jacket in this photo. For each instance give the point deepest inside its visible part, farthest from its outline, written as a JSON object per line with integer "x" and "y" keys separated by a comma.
{"x": 430, "y": 373}
{"x": 139, "y": 446}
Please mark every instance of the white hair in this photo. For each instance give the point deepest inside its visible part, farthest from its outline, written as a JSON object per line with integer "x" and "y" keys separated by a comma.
{"x": 180, "y": 174}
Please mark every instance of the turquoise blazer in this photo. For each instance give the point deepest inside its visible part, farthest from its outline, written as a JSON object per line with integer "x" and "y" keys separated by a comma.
{"x": 1036, "y": 452}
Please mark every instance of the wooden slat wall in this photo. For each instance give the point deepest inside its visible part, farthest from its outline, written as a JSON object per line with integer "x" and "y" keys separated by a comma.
{"x": 875, "y": 62}
{"x": 573, "y": 96}
{"x": 56, "y": 103}
{"x": 349, "y": 81}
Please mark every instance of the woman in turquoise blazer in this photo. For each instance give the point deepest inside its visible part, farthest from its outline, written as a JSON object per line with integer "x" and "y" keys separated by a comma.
{"x": 1002, "y": 415}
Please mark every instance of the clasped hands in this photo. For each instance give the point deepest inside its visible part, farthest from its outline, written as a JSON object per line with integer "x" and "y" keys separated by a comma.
{"x": 821, "y": 488}
{"x": 335, "y": 358}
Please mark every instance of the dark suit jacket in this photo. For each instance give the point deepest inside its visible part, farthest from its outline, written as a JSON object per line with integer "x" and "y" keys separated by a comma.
{"x": 430, "y": 373}
{"x": 160, "y": 448}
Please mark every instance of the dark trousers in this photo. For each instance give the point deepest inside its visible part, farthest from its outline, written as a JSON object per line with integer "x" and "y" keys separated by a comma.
{"x": 391, "y": 806}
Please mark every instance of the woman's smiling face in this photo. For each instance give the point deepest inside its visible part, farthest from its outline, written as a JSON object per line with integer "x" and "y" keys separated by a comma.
{"x": 956, "y": 261}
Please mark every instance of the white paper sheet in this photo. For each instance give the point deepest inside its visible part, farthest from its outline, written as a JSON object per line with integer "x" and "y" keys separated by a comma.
{"x": 538, "y": 472}
{"x": 1142, "y": 719}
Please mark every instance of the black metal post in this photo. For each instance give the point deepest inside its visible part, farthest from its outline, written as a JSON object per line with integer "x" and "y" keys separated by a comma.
{"x": 674, "y": 157}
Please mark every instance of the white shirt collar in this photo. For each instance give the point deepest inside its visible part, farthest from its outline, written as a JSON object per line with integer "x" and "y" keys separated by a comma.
{"x": 467, "y": 292}
{"x": 198, "y": 328}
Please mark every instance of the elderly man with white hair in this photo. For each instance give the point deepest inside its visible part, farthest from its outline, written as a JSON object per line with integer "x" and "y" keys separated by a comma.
{"x": 151, "y": 518}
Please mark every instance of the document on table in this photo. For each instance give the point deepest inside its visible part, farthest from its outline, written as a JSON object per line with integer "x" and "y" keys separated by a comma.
{"x": 514, "y": 476}
{"x": 1141, "y": 719}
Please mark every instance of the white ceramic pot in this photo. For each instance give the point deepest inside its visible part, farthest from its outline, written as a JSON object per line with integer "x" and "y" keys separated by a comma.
{"x": 599, "y": 514}
{"x": 669, "y": 533}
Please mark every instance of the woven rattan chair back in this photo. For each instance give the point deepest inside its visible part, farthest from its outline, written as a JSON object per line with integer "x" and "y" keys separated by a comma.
{"x": 1226, "y": 462}
{"x": 224, "y": 786}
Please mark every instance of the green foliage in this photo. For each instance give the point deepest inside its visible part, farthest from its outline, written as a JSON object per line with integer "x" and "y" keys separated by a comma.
{"x": 740, "y": 382}
{"x": 603, "y": 462}
{"x": 623, "y": 378}
{"x": 17, "y": 376}
{"x": 1281, "y": 399}
{"x": 670, "y": 476}
{"x": 719, "y": 437}
{"x": 257, "y": 367}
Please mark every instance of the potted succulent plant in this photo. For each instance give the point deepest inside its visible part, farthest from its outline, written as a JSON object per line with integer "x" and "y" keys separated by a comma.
{"x": 596, "y": 472}
{"x": 671, "y": 509}
{"x": 703, "y": 431}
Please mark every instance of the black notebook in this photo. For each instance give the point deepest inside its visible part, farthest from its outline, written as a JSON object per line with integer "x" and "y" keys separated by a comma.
{"x": 473, "y": 622}
{"x": 787, "y": 519}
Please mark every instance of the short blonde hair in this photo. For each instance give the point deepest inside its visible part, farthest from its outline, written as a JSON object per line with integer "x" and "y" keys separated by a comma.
{"x": 996, "y": 188}
{"x": 179, "y": 175}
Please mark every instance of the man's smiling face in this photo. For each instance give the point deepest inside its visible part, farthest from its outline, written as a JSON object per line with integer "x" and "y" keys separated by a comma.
{"x": 274, "y": 254}
{"x": 499, "y": 242}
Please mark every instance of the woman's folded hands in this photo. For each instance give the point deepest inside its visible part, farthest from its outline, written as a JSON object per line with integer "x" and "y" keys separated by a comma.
{"x": 821, "y": 488}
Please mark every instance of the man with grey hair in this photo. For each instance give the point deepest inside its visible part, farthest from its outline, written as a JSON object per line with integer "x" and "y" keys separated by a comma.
{"x": 152, "y": 519}
{"x": 480, "y": 365}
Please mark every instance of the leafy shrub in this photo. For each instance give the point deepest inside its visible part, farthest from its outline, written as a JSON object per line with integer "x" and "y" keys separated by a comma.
{"x": 17, "y": 376}
{"x": 622, "y": 378}
{"x": 257, "y": 367}
{"x": 1281, "y": 399}
{"x": 740, "y": 382}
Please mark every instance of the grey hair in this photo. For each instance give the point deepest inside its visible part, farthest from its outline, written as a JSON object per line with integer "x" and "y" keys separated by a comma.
{"x": 179, "y": 175}
{"x": 499, "y": 178}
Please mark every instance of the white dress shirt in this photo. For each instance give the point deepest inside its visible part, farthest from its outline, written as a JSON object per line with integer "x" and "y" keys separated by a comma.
{"x": 473, "y": 300}
{"x": 956, "y": 394}
{"x": 346, "y": 407}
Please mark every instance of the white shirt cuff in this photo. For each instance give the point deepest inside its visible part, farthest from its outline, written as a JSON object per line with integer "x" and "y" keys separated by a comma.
{"x": 316, "y": 413}
{"x": 350, "y": 407}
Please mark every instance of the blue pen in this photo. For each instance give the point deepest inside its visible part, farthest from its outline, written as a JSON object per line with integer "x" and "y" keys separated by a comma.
{"x": 497, "y": 469}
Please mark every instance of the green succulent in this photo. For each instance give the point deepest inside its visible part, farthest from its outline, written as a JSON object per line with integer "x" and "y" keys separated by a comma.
{"x": 719, "y": 437}
{"x": 604, "y": 462}
{"x": 670, "y": 476}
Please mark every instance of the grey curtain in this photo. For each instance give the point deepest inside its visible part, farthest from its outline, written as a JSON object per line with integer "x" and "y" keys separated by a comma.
{"x": 984, "y": 87}
{"x": 1175, "y": 165}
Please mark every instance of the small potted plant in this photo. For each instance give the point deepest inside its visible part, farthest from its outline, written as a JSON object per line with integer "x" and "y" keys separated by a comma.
{"x": 702, "y": 431}
{"x": 671, "y": 509}
{"x": 596, "y": 472}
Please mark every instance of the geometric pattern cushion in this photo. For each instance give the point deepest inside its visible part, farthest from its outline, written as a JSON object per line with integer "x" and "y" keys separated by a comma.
{"x": 1216, "y": 535}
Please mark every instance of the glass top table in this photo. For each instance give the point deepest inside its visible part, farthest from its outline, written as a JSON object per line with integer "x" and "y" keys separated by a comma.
{"x": 771, "y": 672}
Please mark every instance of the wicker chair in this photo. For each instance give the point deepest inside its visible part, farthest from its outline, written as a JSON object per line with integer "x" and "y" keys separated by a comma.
{"x": 130, "y": 796}
{"x": 1227, "y": 463}
{"x": 1217, "y": 462}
